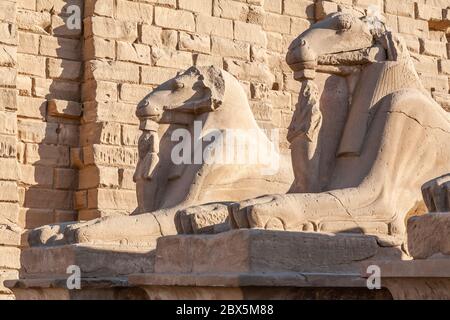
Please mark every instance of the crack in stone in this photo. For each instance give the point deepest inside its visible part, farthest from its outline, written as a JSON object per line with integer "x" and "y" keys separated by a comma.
{"x": 421, "y": 124}
{"x": 340, "y": 202}
{"x": 346, "y": 210}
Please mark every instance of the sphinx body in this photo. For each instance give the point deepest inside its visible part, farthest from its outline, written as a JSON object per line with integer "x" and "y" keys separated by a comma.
{"x": 190, "y": 126}
{"x": 396, "y": 138}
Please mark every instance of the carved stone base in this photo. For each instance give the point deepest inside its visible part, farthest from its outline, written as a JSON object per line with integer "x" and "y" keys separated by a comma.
{"x": 241, "y": 264}
{"x": 244, "y": 251}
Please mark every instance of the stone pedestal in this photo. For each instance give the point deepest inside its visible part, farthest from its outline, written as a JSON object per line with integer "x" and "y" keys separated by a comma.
{"x": 257, "y": 264}
{"x": 241, "y": 264}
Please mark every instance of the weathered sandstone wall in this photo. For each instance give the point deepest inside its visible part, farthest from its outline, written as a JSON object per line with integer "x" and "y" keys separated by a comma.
{"x": 49, "y": 68}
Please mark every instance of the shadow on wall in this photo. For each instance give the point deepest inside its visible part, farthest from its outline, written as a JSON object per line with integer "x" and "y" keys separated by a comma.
{"x": 50, "y": 199}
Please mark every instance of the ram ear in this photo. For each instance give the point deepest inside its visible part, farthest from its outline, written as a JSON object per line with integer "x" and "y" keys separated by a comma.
{"x": 213, "y": 80}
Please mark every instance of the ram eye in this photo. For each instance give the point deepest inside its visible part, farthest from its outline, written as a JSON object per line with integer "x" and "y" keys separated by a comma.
{"x": 344, "y": 24}
{"x": 178, "y": 85}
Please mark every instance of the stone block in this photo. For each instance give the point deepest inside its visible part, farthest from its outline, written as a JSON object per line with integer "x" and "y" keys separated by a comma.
{"x": 132, "y": 93}
{"x": 10, "y": 211}
{"x": 9, "y": 171}
{"x": 428, "y": 235}
{"x": 56, "y": 6}
{"x": 92, "y": 260}
{"x": 34, "y": 21}
{"x": 275, "y": 6}
{"x": 8, "y": 123}
{"x": 126, "y": 179}
{"x": 111, "y": 29}
{"x": 64, "y": 69}
{"x": 434, "y": 82}
{"x": 96, "y": 47}
{"x": 37, "y": 132}
{"x": 8, "y": 78}
{"x": 8, "y": 146}
{"x": 428, "y": 12}
{"x": 100, "y": 133}
{"x": 324, "y": 8}
{"x": 413, "y": 27}
{"x": 47, "y": 155}
{"x": 156, "y": 75}
{"x": 174, "y": 19}
{"x": 277, "y": 23}
{"x": 28, "y": 43}
{"x": 9, "y": 256}
{"x": 31, "y": 65}
{"x": 8, "y": 33}
{"x": 299, "y": 25}
{"x": 246, "y": 251}
{"x": 8, "y": 11}
{"x": 425, "y": 64}
{"x": 99, "y": 8}
{"x": 400, "y": 8}
{"x": 433, "y": 48}
{"x": 98, "y": 176}
{"x": 207, "y": 60}
{"x": 8, "y": 99}
{"x": 112, "y": 71}
{"x": 60, "y": 48}
{"x": 34, "y": 218}
{"x": 130, "y": 135}
{"x": 230, "y": 48}
{"x": 214, "y": 26}
{"x": 135, "y": 52}
{"x": 65, "y": 178}
{"x": 56, "y": 89}
{"x": 232, "y": 10}
{"x": 112, "y": 199}
{"x": 110, "y": 111}
{"x": 68, "y": 134}
{"x": 41, "y": 198}
{"x": 29, "y": 107}
{"x": 64, "y": 109}
{"x": 36, "y": 175}
{"x": 194, "y": 42}
{"x": 8, "y": 56}
{"x": 134, "y": 11}
{"x": 172, "y": 59}
{"x": 110, "y": 156}
{"x": 96, "y": 90}
{"x": 8, "y": 192}
{"x": 250, "y": 33}
{"x": 204, "y": 6}
{"x": 250, "y": 71}
{"x": 302, "y": 9}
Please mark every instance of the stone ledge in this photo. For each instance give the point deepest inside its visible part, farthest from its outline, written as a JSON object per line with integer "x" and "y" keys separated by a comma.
{"x": 235, "y": 280}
